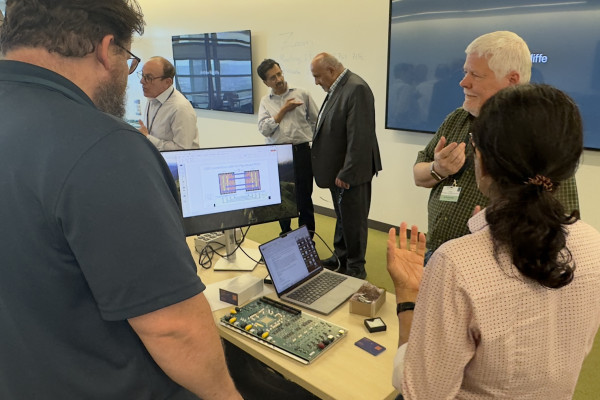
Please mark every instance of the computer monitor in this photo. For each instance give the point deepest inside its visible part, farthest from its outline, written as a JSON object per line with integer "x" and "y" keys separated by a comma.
{"x": 214, "y": 70}
{"x": 427, "y": 41}
{"x": 230, "y": 187}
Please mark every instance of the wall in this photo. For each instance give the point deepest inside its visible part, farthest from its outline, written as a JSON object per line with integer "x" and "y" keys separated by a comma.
{"x": 291, "y": 32}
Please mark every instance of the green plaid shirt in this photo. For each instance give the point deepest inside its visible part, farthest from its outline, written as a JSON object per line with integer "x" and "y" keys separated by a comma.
{"x": 448, "y": 220}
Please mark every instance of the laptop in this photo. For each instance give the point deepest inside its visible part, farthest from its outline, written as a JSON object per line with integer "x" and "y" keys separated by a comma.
{"x": 294, "y": 267}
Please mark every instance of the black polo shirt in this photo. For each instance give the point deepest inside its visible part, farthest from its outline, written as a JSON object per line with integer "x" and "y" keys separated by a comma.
{"x": 90, "y": 235}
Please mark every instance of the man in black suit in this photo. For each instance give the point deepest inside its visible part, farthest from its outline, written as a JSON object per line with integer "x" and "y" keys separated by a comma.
{"x": 345, "y": 156}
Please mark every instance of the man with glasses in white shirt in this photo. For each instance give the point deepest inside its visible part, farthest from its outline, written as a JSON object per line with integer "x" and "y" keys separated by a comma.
{"x": 169, "y": 120}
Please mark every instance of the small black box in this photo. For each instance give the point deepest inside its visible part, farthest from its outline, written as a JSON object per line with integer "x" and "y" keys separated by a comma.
{"x": 375, "y": 325}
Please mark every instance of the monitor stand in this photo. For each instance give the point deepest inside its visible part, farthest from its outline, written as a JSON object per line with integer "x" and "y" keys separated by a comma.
{"x": 237, "y": 260}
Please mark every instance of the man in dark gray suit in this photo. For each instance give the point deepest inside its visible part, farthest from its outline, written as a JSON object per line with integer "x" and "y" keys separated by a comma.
{"x": 345, "y": 156}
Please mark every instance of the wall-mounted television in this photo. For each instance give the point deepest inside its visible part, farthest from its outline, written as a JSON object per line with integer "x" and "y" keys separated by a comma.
{"x": 214, "y": 70}
{"x": 427, "y": 40}
{"x": 231, "y": 187}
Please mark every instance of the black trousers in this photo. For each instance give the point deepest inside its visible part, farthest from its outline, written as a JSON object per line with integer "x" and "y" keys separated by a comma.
{"x": 351, "y": 229}
{"x": 255, "y": 381}
{"x": 304, "y": 189}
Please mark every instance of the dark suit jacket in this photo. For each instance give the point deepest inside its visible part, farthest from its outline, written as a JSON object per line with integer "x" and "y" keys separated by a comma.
{"x": 344, "y": 144}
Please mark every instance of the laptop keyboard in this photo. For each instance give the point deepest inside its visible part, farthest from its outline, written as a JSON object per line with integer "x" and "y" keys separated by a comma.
{"x": 316, "y": 288}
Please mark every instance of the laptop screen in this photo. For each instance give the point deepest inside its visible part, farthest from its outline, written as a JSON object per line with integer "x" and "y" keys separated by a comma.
{"x": 290, "y": 258}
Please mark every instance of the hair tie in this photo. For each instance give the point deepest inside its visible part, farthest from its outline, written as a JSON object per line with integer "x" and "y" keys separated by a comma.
{"x": 541, "y": 180}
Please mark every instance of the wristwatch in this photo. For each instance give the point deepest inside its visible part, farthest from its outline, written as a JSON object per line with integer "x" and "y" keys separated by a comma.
{"x": 404, "y": 307}
{"x": 435, "y": 175}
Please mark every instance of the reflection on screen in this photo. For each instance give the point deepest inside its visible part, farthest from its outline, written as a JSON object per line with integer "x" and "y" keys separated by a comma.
{"x": 287, "y": 265}
{"x": 427, "y": 41}
{"x": 214, "y": 70}
{"x": 231, "y": 187}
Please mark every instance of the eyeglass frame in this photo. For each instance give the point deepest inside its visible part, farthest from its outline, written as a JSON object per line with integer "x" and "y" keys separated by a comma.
{"x": 136, "y": 60}
{"x": 150, "y": 79}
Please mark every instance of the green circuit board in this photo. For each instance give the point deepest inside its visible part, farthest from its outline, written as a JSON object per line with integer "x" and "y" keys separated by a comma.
{"x": 283, "y": 328}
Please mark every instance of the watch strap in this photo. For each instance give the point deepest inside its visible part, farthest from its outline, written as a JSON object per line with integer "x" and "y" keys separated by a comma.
{"x": 434, "y": 174}
{"x": 404, "y": 307}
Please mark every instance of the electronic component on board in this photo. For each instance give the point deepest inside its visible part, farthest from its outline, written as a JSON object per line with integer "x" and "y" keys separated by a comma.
{"x": 284, "y": 328}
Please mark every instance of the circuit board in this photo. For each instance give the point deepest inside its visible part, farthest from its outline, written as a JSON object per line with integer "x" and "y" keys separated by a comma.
{"x": 283, "y": 328}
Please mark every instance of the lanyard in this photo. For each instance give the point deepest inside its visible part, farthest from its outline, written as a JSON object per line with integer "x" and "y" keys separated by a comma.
{"x": 150, "y": 123}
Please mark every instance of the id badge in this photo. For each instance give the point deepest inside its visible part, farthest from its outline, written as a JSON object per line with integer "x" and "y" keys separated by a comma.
{"x": 450, "y": 193}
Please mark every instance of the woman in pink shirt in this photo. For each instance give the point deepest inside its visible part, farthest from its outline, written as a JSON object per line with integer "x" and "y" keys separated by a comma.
{"x": 511, "y": 310}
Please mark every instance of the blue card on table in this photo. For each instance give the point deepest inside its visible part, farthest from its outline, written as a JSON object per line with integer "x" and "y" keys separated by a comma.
{"x": 370, "y": 346}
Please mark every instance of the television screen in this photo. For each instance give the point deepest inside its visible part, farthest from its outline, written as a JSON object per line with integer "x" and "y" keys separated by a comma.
{"x": 427, "y": 40}
{"x": 231, "y": 187}
{"x": 214, "y": 70}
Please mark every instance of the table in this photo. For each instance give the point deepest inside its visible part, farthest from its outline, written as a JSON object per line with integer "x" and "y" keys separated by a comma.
{"x": 345, "y": 371}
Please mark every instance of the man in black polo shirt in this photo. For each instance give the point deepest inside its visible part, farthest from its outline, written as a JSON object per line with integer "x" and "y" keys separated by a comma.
{"x": 99, "y": 297}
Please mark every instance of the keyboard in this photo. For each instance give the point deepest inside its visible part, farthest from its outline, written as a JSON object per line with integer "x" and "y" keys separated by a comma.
{"x": 316, "y": 287}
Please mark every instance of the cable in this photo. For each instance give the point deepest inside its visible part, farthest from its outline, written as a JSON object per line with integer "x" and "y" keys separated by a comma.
{"x": 208, "y": 252}
{"x": 328, "y": 248}
{"x": 239, "y": 246}
{"x": 206, "y": 255}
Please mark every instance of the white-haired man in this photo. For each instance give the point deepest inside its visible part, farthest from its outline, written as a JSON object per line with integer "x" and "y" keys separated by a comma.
{"x": 494, "y": 61}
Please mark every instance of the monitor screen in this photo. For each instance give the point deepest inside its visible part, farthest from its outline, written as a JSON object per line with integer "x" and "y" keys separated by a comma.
{"x": 214, "y": 70}
{"x": 230, "y": 187}
{"x": 427, "y": 41}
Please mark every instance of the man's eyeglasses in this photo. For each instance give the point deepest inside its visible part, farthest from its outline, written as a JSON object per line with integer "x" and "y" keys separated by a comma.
{"x": 149, "y": 78}
{"x": 132, "y": 61}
